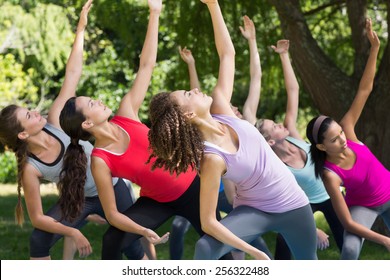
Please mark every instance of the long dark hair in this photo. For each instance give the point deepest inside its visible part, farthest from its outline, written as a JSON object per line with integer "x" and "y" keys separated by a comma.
{"x": 74, "y": 171}
{"x": 10, "y": 127}
{"x": 174, "y": 141}
{"x": 318, "y": 157}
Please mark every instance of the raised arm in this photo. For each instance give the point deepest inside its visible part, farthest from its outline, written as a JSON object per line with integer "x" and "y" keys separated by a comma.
{"x": 350, "y": 119}
{"x": 252, "y": 102}
{"x": 186, "y": 56}
{"x": 73, "y": 69}
{"x": 292, "y": 88}
{"x": 223, "y": 90}
{"x": 132, "y": 101}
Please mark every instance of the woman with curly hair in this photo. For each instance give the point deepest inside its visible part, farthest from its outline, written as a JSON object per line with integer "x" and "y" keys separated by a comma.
{"x": 192, "y": 130}
{"x": 227, "y": 190}
{"x": 121, "y": 150}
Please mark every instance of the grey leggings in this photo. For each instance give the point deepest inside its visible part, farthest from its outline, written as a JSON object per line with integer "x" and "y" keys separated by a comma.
{"x": 365, "y": 216}
{"x": 297, "y": 227}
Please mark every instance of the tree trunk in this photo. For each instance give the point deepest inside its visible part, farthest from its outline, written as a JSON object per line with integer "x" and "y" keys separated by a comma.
{"x": 331, "y": 90}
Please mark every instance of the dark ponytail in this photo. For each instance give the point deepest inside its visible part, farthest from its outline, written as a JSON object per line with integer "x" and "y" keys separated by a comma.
{"x": 74, "y": 170}
{"x": 315, "y": 131}
{"x": 9, "y": 130}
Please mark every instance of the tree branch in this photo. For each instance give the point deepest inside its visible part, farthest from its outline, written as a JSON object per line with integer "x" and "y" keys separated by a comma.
{"x": 357, "y": 11}
{"x": 319, "y": 74}
{"x": 323, "y": 7}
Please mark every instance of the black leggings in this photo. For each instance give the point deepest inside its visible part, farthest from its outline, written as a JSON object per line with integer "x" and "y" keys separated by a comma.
{"x": 282, "y": 252}
{"x": 151, "y": 214}
{"x": 42, "y": 241}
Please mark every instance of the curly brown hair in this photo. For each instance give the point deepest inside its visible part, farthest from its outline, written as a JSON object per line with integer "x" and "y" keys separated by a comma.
{"x": 10, "y": 127}
{"x": 175, "y": 142}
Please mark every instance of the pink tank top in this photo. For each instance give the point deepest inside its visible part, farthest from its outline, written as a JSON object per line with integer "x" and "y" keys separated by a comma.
{"x": 367, "y": 183}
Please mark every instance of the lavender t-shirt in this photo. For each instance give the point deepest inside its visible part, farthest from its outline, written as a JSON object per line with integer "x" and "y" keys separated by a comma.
{"x": 263, "y": 180}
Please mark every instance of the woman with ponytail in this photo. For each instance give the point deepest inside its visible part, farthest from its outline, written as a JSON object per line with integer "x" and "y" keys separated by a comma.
{"x": 39, "y": 145}
{"x": 122, "y": 150}
{"x": 340, "y": 159}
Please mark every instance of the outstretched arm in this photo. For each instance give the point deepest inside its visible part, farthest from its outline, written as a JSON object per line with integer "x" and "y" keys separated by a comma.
{"x": 39, "y": 220}
{"x": 132, "y": 101}
{"x": 212, "y": 167}
{"x": 73, "y": 69}
{"x": 223, "y": 90}
{"x": 103, "y": 179}
{"x": 252, "y": 101}
{"x": 332, "y": 185}
{"x": 350, "y": 119}
{"x": 187, "y": 57}
{"x": 292, "y": 88}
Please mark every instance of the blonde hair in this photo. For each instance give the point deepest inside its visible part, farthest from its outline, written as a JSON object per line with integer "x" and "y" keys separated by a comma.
{"x": 260, "y": 127}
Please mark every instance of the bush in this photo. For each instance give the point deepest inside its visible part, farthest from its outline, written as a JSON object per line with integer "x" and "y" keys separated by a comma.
{"x": 8, "y": 167}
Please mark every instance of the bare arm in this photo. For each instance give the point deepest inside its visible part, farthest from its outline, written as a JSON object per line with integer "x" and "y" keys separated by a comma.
{"x": 103, "y": 179}
{"x": 252, "y": 101}
{"x": 132, "y": 101}
{"x": 31, "y": 188}
{"x": 332, "y": 185}
{"x": 212, "y": 167}
{"x": 186, "y": 56}
{"x": 223, "y": 90}
{"x": 292, "y": 88}
{"x": 350, "y": 119}
{"x": 73, "y": 69}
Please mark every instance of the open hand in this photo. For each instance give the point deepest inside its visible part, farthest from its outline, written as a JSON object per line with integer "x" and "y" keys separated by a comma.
{"x": 322, "y": 240}
{"x": 248, "y": 31}
{"x": 84, "y": 15}
{"x": 155, "y": 5}
{"x": 154, "y": 238}
{"x": 281, "y": 46}
{"x": 82, "y": 244}
{"x": 371, "y": 35}
{"x": 186, "y": 55}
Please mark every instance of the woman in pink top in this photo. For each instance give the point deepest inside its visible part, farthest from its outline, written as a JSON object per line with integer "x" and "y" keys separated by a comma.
{"x": 342, "y": 160}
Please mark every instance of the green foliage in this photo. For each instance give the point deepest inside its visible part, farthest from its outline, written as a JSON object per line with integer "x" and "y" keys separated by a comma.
{"x": 129, "y": 27}
{"x": 16, "y": 85}
{"x": 38, "y": 38}
{"x": 37, "y": 41}
{"x": 8, "y": 167}
{"x": 107, "y": 78}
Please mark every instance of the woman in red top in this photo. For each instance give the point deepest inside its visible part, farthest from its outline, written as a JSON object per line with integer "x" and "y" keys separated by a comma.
{"x": 121, "y": 147}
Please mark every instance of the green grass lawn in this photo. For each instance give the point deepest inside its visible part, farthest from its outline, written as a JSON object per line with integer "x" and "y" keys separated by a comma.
{"x": 14, "y": 240}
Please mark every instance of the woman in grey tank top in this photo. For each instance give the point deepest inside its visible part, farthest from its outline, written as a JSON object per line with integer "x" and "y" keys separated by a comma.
{"x": 39, "y": 145}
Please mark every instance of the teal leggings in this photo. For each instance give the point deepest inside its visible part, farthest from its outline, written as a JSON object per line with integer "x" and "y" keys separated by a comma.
{"x": 297, "y": 227}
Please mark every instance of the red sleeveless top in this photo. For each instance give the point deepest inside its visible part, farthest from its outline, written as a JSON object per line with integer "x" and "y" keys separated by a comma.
{"x": 159, "y": 184}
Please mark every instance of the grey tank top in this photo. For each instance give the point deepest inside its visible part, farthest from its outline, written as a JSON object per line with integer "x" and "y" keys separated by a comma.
{"x": 51, "y": 172}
